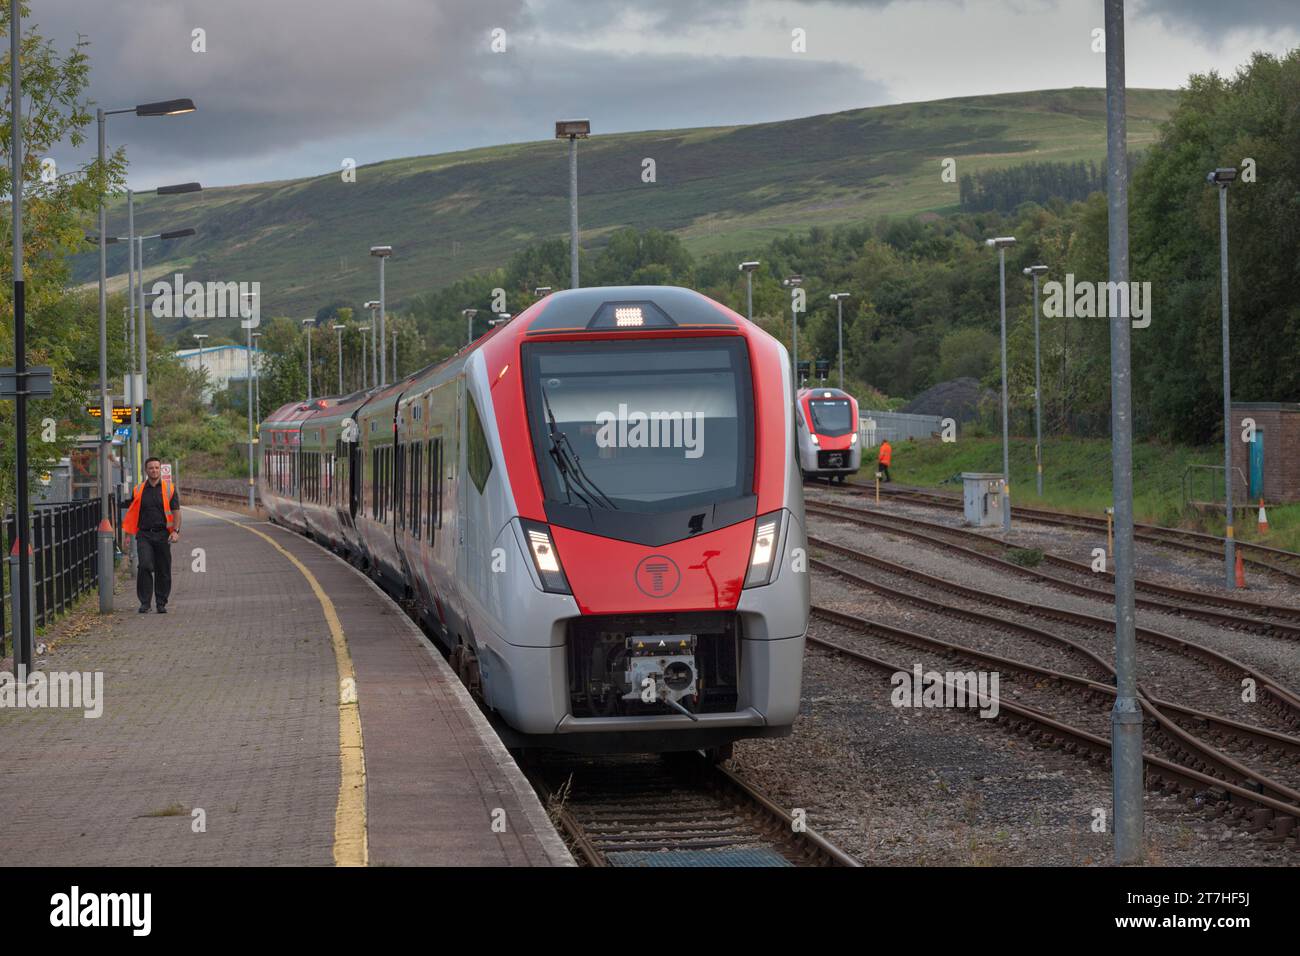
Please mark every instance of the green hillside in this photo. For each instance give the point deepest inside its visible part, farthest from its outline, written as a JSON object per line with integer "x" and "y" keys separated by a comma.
{"x": 719, "y": 189}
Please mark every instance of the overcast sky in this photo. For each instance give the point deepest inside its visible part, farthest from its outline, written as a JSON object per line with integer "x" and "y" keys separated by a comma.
{"x": 290, "y": 88}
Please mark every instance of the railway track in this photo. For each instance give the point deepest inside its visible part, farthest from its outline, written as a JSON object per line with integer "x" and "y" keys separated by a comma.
{"x": 677, "y": 811}
{"x": 1238, "y": 614}
{"x": 1284, "y": 563}
{"x": 1243, "y": 750}
{"x": 682, "y": 811}
{"x": 1220, "y": 797}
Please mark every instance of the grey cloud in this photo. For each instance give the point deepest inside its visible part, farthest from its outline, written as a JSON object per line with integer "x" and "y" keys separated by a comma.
{"x": 1209, "y": 19}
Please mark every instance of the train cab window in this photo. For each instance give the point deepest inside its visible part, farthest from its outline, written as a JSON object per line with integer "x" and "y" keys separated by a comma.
{"x": 831, "y": 417}
{"x": 478, "y": 459}
{"x": 643, "y": 440}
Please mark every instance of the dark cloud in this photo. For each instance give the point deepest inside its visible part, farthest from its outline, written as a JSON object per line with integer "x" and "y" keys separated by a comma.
{"x": 295, "y": 86}
{"x": 1210, "y": 19}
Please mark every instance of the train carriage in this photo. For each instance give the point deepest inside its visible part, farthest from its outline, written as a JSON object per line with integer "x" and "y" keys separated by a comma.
{"x": 598, "y": 506}
{"x": 829, "y": 446}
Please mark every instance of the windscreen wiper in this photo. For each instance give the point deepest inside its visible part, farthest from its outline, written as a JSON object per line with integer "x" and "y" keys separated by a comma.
{"x": 567, "y": 459}
{"x": 561, "y": 463}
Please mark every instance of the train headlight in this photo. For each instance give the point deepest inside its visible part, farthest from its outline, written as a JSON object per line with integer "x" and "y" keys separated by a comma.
{"x": 853, "y": 439}
{"x": 545, "y": 558}
{"x": 763, "y": 554}
{"x": 815, "y": 439}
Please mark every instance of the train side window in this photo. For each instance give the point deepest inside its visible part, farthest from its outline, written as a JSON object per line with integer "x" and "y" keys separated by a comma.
{"x": 374, "y": 484}
{"x": 399, "y": 486}
{"x": 416, "y": 449}
{"x": 478, "y": 459}
{"x": 428, "y": 483}
{"x": 440, "y": 480}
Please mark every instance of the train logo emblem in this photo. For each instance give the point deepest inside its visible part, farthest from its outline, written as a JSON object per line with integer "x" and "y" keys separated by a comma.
{"x": 657, "y": 576}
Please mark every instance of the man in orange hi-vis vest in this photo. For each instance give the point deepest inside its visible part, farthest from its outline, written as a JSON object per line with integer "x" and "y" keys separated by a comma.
{"x": 155, "y": 519}
{"x": 882, "y": 462}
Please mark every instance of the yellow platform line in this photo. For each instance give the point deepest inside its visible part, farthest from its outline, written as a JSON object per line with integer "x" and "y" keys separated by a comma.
{"x": 350, "y": 844}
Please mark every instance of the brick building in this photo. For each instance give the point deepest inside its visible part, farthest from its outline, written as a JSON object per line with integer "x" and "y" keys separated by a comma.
{"x": 1271, "y": 464}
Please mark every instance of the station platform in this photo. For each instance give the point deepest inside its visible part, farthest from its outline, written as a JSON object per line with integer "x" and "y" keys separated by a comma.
{"x": 283, "y": 712}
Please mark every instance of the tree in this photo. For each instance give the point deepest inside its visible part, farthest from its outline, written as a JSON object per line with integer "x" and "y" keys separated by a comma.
{"x": 58, "y": 208}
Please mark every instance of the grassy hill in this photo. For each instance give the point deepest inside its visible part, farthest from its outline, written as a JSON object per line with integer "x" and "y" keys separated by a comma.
{"x": 720, "y": 189}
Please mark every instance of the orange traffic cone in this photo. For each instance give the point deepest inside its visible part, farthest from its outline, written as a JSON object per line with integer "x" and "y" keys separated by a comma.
{"x": 1263, "y": 518}
{"x": 1241, "y": 572}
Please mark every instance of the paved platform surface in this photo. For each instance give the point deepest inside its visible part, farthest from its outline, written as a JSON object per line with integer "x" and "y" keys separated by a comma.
{"x": 223, "y": 737}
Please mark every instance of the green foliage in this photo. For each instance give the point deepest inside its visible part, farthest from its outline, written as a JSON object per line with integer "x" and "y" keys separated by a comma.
{"x": 61, "y": 326}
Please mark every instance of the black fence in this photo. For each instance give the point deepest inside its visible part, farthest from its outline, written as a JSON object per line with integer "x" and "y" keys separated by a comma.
{"x": 64, "y": 560}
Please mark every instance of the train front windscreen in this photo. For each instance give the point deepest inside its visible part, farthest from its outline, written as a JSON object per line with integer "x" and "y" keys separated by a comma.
{"x": 642, "y": 439}
{"x": 831, "y": 417}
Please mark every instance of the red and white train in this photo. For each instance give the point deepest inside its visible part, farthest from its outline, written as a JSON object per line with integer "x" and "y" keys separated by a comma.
{"x": 828, "y": 433}
{"x": 597, "y": 505}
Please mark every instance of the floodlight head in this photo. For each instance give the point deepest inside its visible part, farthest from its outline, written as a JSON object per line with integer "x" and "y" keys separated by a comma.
{"x": 1034, "y": 270}
{"x": 363, "y": 328}
{"x": 337, "y": 327}
{"x": 176, "y": 234}
{"x": 749, "y": 266}
{"x": 1001, "y": 242}
{"x": 371, "y": 304}
{"x": 469, "y": 312}
{"x": 95, "y": 239}
{"x": 381, "y": 251}
{"x": 793, "y": 281}
{"x": 572, "y": 129}
{"x": 1222, "y": 176}
{"x": 179, "y": 188}
{"x": 165, "y": 108}
{"x": 200, "y": 335}
{"x": 542, "y": 290}
{"x": 308, "y": 321}
{"x": 840, "y": 295}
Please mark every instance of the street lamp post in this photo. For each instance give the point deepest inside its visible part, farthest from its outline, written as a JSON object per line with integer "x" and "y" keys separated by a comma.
{"x": 381, "y": 253}
{"x": 1037, "y": 271}
{"x": 201, "y": 336}
{"x": 573, "y": 130}
{"x": 748, "y": 268}
{"x": 339, "y": 329}
{"x": 306, "y": 327}
{"x": 363, "y": 330}
{"x": 22, "y": 585}
{"x": 793, "y": 283}
{"x": 1001, "y": 243}
{"x": 1222, "y": 178}
{"x": 541, "y": 291}
{"x": 138, "y": 244}
{"x": 839, "y": 298}
{"x": 469, "y": 324}
{"x": 257, "y": 375}
{"x": 105, "y": 534}
{"x": 373, "y": 305}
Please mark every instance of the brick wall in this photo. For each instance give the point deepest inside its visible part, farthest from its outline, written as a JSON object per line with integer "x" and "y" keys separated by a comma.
{"x": 1281, "y": 428}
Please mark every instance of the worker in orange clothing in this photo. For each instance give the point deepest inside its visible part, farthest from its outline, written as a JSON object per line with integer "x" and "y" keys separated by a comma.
{"x": 155, "y": 519}
{"x": 883, "y": 460}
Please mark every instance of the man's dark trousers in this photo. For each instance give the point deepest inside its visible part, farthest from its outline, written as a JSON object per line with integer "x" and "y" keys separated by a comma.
{"x": 154, "y": 580}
